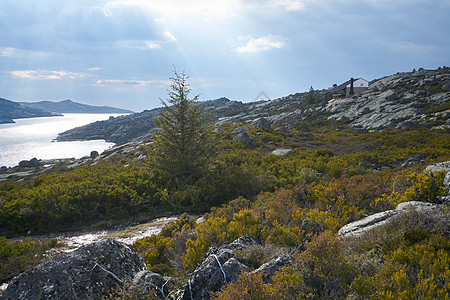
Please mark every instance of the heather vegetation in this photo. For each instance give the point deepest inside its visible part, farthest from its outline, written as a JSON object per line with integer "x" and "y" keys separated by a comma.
{"x": 293, "y": 203}
{"x": 17, "y": 256}
{"x": 330, "y": 179}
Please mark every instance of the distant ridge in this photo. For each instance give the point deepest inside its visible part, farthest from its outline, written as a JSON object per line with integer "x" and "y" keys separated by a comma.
{"x": 69, "y": 106}
{"x": 404, "y": 100}
{"x": 10, "y": 110}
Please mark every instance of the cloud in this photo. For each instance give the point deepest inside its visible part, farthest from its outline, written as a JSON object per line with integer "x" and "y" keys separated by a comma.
{"x": 141, "y": 45}
{"x": 130, "y": 83}
{"x": 265, "y": 43}
{"x": 8, "y": 51}
{"x": 46, "y": 74}
{"x": 176, "y": 9}
{"x": 207, "y": 9}
{"x": 289, "y": 5}
{"x": 152, "y": 45}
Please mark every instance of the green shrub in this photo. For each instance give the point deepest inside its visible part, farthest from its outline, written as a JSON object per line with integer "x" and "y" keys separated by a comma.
{"x": 256, "y": 255}
{"x": 248, "y": 286}
{"x": 17, "y": 256}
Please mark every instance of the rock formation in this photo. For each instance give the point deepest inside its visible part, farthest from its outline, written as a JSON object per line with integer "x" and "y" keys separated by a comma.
{"x": 281, "y": 151}
{"x": 269, "y": 268}
{"x": 95, "y": 270}
{"x": 32, "y": 163}
{"x": 401, "y": 100}
{"x": 86, "y": 273}
{"x": 439, "y": 167}
{"x": 262, "y": 123}
{"x": 221, "y": 267}
{"x": 361, "y": 226}
{"x": 243, "y": 138}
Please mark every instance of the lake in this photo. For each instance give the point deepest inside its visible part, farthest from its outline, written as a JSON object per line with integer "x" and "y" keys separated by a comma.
{"x": 34, "y": 137}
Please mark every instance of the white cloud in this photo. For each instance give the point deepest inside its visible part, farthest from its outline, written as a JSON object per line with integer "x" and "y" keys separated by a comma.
{"x": 130, "y": 83}
{"x": 152, "y": 45}
{"x": 175, "y": 9}
{"x": 208, "y": 9}
{"x": 290, "y": 5}
{"x": 169, "y": 36}
{"x": 265, "y": 43}
{"x": 7, "y": 51}
{"x": 141, "y": 45}
{"x": 46, "y": 74}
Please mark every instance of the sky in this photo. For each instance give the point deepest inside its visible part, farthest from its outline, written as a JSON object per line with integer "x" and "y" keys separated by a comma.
{"x": 123, "y": 53}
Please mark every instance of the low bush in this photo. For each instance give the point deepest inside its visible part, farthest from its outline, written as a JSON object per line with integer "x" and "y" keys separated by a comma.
{"x": 17, "y": 256}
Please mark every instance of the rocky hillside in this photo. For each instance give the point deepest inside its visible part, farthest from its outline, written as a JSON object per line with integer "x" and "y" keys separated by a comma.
{"x": 10, "y": 110}
{"x": 411, "y": 99}
{"x": 68, "y": 106}
{"x": 120, "y": 130}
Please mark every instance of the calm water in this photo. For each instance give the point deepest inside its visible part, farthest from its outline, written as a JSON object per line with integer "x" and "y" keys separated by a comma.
{"x": 28, "y": 138}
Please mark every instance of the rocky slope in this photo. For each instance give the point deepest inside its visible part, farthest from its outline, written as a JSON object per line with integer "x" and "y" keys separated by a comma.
{"x": 10, "y": 110}
{"x": 68, "y": 106}
{"x": 411, "y": 99}
{"x": 89, "y": 272}
{"x": 93, "y": 271}
{"x": 119, "y": 130}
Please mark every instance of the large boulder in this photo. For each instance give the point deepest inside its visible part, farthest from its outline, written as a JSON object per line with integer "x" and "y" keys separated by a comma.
{"x": 238, "y": 244}
{"x": 269, "y": 268}
{"x": 146, "y": 282}
{"x": 281, "y": 151}
{"x": 32, "y": 163}
{"x": 262, "y": 124}
{"x": 360, "y": 227}
{"x": 218, "y": 269}
{"x": 446, "y": 87}
{"x": 89, "y": 272}
{"x": 243, "y": 138}
{"x": 94, "y": 154}
{"x": 443, "y": 166}
{"x": 214, "y": 272}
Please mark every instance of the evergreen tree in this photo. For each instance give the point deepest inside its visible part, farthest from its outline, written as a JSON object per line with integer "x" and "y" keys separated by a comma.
{"x": 183, "y": 141}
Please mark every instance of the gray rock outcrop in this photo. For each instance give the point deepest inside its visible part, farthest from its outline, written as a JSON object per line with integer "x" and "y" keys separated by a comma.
{"x": 443, "y": 166}
{"x": 32, "y": 163}
{"x": 214, "y": 272}
{"x": 281, "y": 152}
{"x": 94, "y": 154}
{"x": 147, "y": 281}
{"x": 269, "y": 268}
{"x": 396, "y": 101}
{"x": 362, "y": 226}
{"x": 89, "y": 272}
{"x": 243, "y": 138}
{"x": 262, "y": 123}
{"x": 401, "y": 100}
{"x": 219, "y": 268}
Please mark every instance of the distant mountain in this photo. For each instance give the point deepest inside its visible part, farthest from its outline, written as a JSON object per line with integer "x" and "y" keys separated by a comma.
{"x": 10, "y": 110}
{"x": 68, "y": 106}
{"x": 403, "y": 100}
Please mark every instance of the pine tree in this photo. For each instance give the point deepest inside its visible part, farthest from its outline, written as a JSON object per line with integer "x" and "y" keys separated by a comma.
{"x": 183, "y": 141}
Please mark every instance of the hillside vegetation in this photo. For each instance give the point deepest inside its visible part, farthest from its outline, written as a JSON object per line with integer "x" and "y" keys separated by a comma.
{"x": 329, "y": 175}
